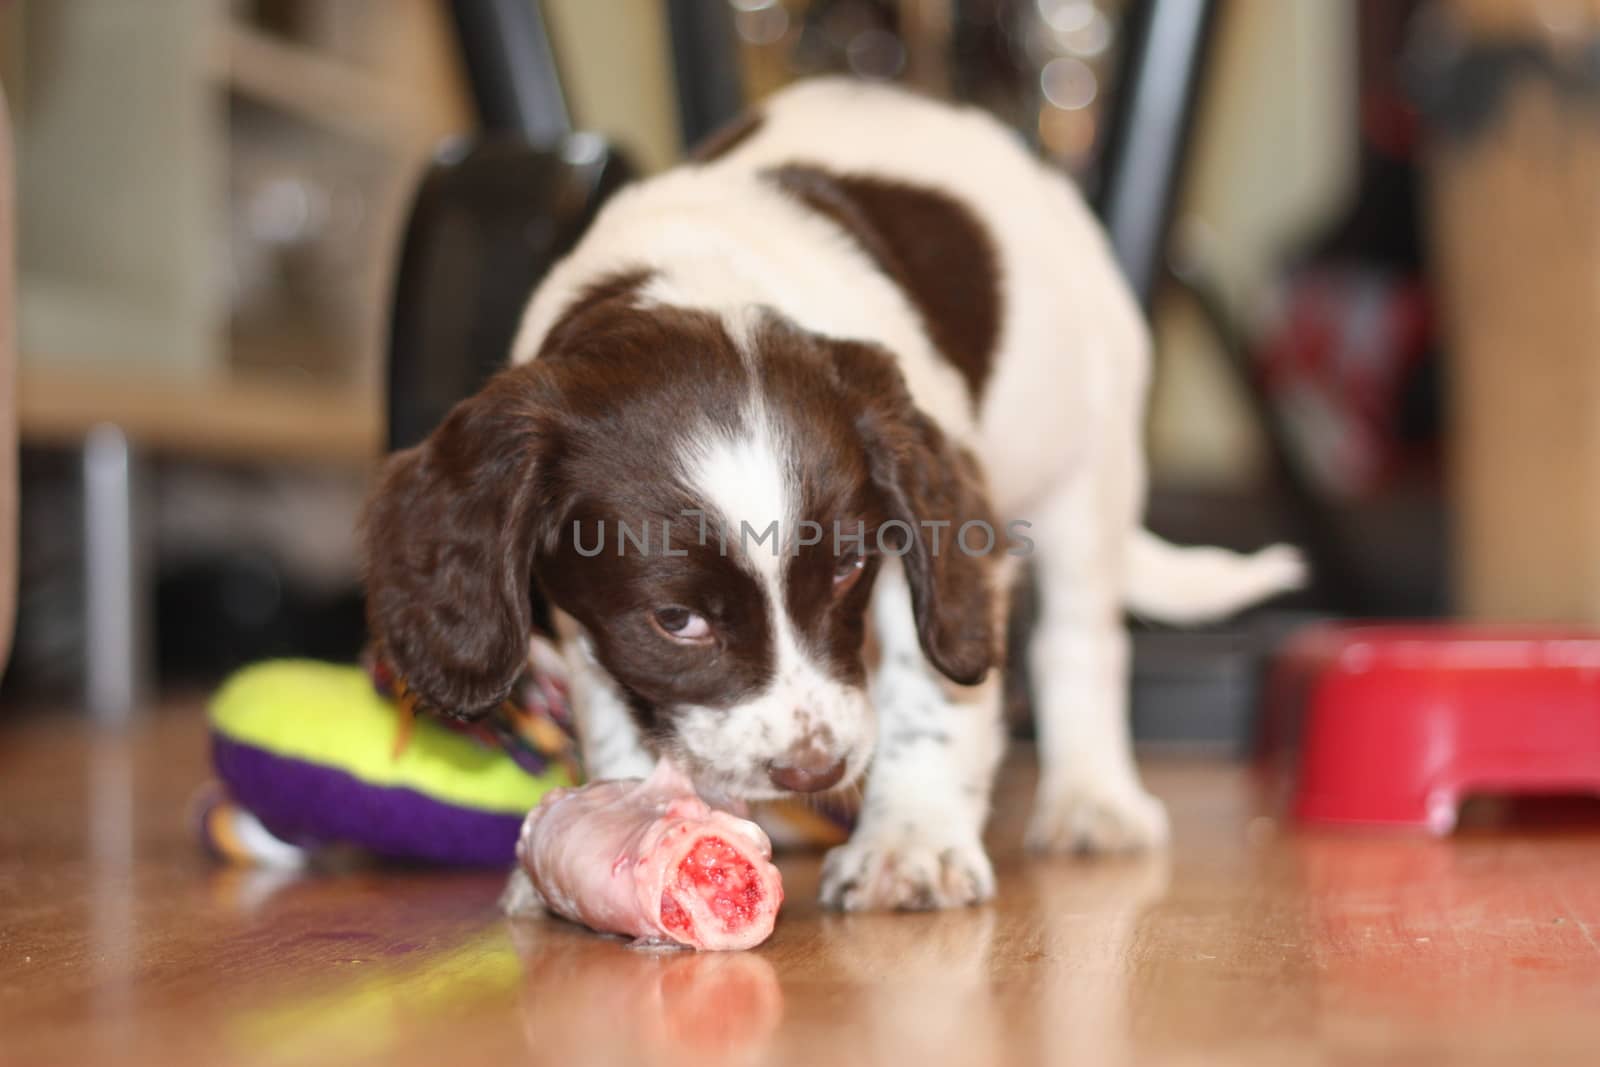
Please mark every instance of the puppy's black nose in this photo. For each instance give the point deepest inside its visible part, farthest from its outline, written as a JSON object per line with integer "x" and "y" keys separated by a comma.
{"x": 806, "y": 776}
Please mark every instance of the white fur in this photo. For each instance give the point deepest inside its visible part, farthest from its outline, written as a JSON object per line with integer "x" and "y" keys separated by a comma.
{"x": 606, "y": 732}
{"x": 1190, "y": 585}
{"x": 748, "y": 486}
{"x": 728, "y": 748}
{"x": 1057, "y": 431}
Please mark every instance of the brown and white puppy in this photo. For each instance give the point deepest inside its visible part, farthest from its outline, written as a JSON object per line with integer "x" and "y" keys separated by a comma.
{"x": 837, "y": 377}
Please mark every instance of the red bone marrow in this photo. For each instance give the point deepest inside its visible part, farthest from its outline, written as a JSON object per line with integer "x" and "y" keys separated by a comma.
{"x": 650, "y": 859}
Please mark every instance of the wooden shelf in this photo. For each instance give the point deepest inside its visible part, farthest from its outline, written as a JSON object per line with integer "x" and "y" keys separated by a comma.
{"x": 396, "y": 96}
{"x": 229, "y": 419}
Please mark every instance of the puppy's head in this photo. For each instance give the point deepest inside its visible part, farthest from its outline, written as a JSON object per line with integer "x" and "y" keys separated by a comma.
{"x": 712, "y": 513}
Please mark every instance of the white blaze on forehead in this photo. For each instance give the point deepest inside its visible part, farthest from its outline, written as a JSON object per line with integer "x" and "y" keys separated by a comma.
{"x": 745, "y": 481}
{"x": 745, "y": 484}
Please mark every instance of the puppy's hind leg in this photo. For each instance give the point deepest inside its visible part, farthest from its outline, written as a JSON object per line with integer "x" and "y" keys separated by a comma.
{"x": 1090, "y": 798}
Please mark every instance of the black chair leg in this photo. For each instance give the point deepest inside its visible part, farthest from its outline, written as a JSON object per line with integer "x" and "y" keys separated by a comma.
{"x": 1141, "y": 173}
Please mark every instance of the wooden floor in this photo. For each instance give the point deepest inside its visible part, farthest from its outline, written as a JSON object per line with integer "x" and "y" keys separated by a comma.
{"x": 120, "y": 943}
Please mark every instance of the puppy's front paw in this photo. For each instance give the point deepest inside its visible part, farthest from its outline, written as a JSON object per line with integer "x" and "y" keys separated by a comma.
{"x": 911, "y": 871}
{"x": 1096, "y": 817}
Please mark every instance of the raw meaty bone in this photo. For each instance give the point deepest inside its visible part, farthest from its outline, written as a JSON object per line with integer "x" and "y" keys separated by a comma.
{"x": 650, "y": 859}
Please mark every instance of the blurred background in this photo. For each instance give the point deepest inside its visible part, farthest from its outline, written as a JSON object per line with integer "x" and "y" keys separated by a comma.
{"x": 1367, "y": 233}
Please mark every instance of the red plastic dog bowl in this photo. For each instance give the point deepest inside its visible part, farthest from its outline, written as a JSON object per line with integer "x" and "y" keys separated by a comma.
{"x": 1396, "y": 725}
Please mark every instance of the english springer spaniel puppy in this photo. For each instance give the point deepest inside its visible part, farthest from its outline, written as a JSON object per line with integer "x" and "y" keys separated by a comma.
{"x": 773, "y": 442}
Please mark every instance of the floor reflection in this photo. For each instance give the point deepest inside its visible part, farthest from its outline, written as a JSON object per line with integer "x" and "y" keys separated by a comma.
{"x": 109, "y": 834}
{"x": 971, "y": 986}
{"x": 920, "y": 986}
{"x": 585, "y": 1000}
{"x": 1388, "y": 913}
{"x": 1088, "y": 952}
{"x": 358, "y": 965}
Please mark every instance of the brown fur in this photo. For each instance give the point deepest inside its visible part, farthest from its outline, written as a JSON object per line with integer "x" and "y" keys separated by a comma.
{"x": 929, "y": 245}
{"x": 461, "y": 527}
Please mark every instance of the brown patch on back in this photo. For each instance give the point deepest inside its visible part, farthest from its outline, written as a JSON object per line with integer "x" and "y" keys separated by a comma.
{"x": 929, "y": 244}
{"x": 727, "y": 137}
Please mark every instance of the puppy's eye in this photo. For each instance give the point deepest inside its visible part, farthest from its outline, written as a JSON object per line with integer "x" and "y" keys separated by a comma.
{"x": 847, "y": 571}
{"x": 681, "y": 624}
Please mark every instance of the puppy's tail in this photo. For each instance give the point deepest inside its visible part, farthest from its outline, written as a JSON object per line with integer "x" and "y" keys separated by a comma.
{"x": 1181, "y": 585}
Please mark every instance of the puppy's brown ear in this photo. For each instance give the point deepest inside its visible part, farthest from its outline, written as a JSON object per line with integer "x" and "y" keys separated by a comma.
{"x": 926, "y": 478}
{"x": 449, "y": 537}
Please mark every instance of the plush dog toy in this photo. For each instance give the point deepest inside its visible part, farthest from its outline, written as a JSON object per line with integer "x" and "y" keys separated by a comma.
{"x": 311, "y": 755}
